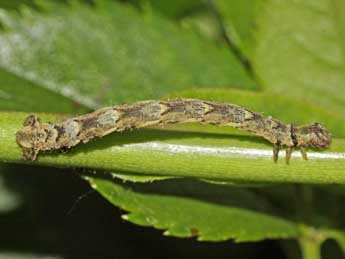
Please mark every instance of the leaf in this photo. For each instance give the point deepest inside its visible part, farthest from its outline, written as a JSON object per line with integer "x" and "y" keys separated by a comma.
{"x": 206, "y": 24}
{"x": 173, "y": 9}
{"x": 14, "y": 4}
{"x": 154, "y": 204}
{"x": 193, "y": 212}
{"x": 300, "y": 50}
{"x": 294, "y": 57}
{"x": 22, "y": 95}
{"x": 128, "y": 56}
{"x": 239, "y": 21}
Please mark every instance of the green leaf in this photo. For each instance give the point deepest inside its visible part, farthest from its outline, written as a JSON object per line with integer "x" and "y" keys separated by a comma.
{"x": 300, "y": 51}
{"x": 206, "y": 24}
{"x": 173, "y": 9}
{"x": 235, "y": 212}
{"x": 239, "y": 21}
{"x": 291, "y": 53}
{"x": 128, "y": 56}
{"x": 189, "y": 209}
{"x": 15, "y": 4}
{"x": 22, "y": 95}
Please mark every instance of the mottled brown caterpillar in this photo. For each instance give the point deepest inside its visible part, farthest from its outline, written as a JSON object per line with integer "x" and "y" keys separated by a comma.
{"x": 35, "y": 137}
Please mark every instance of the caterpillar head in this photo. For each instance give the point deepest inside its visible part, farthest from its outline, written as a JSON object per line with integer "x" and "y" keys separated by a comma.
{"x": 30, "y": 137}
{"x": 313, "y": 135}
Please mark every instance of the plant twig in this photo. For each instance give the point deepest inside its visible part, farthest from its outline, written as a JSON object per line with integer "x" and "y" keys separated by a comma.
{"x": 184, "y": 153}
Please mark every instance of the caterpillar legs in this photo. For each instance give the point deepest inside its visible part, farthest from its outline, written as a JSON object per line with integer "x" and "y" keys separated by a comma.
{"x": 304, "y": 153}
{"x": 276, "y": 149}
{"x": 288, "y": 153}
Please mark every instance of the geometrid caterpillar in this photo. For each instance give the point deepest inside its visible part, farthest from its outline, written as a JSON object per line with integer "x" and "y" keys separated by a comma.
{"x": 36, "y": 137}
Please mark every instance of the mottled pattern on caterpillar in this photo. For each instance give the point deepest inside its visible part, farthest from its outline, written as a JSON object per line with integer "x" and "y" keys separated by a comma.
{"x": 35, "y": 137}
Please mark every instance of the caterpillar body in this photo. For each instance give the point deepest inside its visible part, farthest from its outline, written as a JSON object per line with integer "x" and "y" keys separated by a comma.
{"x": 35, "y": 136}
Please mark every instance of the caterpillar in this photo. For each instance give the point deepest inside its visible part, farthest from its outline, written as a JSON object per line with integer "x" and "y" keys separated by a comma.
{"x": 36, "y": 137}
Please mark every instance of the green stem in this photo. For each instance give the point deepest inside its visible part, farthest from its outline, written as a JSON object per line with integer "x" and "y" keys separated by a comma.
{"x": 195, "y": 151}
{"x": 310, "y": 249}
{"x": 310, "y": 242}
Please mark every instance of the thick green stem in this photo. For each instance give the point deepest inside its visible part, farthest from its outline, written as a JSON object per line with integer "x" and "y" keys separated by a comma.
{"x": 310, "y": 249}
{"x": 310, "y": 243}
{"x": 195, "y": 151}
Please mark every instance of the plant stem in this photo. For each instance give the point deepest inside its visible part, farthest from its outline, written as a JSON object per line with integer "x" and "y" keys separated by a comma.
{"x": 310, "y": 249}
{"x": 310, "y": 243}
{"x": 185, "y": 151}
